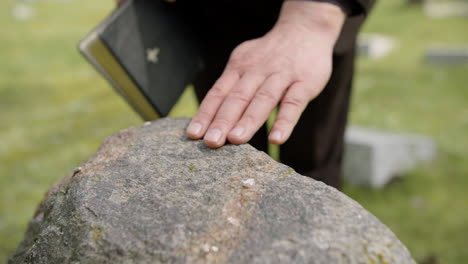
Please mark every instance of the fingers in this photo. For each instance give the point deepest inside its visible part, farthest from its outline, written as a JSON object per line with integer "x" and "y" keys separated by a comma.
{"x": 293, "y": 104}
{"x": 236, "y": 101}
{"x": 210, "y": 105}
{"x": 264, "y": 101}
{"x": 235, "y": 108}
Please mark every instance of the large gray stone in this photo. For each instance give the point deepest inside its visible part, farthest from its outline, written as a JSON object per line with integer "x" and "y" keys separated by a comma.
{"x": 374, "y": 157}
{"x": 150, "y": 195}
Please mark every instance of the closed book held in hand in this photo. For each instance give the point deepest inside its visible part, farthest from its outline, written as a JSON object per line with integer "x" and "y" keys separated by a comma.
{"x": 147, "y": 52}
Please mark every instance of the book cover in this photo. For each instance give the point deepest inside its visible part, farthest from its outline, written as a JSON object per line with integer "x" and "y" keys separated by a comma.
{"x": 148, "y": 53}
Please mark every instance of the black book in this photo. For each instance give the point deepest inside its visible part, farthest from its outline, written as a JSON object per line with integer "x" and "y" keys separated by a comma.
{"x": 147, "y": 52}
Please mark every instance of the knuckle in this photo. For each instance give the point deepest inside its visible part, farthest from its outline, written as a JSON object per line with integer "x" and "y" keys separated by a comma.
{"x": 249, "y": 119}
{"x": 266, "y": 95}
{"x": 242, "y": 48}
{"x": 293, "y": 101}
{"x": 203, "y": 116}
{"x": 241, "y": 57}
{"x": 284, "y": 63}
{"x": 284, "y": 122}
{"x": 239, "y": 96}
{"x": 284, "y": 76}
{"x": 236, "y": 61}
{"x": 217, "y": 92}
{"x": 221, "y": 122}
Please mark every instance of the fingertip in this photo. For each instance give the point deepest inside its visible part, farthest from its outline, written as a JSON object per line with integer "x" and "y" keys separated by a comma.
{"x": 212, "y": 145}
{"x": 276, "y": 137}
{"x": 194, "y": 130}
{"x": 194, "y": 137}
{"x": 236, "y": 141}
{"x": 214, "y": 138}
{"x": 237, "y": 135}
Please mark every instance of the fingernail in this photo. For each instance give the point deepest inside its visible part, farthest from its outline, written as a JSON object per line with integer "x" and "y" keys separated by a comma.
{"x": 194, "y": 128}
{"x": 237, "y": 131}
{"x": 213, "y": 135}
{"x": 276, "y": 136}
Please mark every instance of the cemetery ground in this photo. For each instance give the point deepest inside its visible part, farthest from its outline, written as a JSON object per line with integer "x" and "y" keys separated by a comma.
{"x": 56, "y": 110}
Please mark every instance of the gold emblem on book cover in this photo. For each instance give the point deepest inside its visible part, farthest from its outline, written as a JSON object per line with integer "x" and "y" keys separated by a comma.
{"x": 152, "y": 55}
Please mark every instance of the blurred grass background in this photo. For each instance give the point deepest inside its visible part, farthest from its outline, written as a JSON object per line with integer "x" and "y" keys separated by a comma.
{"x": 55, "y": 110}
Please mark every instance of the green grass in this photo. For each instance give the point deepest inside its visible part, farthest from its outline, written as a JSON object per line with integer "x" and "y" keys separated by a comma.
{"x": 55, "y": 111}
{"x": 428, "y": 209}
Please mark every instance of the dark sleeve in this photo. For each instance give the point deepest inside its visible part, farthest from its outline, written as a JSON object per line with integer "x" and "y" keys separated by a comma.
{"x": 350, "y": 7}
{"x": 364, "y": 5}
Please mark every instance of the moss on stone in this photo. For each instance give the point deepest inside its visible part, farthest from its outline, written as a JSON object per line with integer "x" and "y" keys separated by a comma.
{"x": 98, "y": 232}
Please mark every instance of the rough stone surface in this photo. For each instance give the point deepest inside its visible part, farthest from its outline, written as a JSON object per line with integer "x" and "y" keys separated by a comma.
{"x": 374, "y": 157}
{"x": 150, "y": 195}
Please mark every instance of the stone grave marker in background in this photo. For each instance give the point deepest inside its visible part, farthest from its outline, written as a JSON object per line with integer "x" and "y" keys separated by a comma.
{"x": 447, "y": 55}
{"x": 373, "y": 158}
{"x": 22, "y": 12}
{"x": 442, "y": 9}
{"x": 374, "y": 45}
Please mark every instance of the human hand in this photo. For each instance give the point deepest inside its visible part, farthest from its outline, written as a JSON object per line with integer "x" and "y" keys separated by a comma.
{"x": 290, "y": 65}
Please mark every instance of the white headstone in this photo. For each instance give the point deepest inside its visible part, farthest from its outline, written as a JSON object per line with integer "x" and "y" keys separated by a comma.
{"x": 441, "y": 9}
{"x": 22, "y": 12}
{"x": 375, "y": 45}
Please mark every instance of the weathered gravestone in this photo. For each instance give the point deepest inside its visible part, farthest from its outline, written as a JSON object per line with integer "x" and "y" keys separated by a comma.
{"x": 447, "y": 55}
{"x": 374, "y": 158}
{"x": 374, "y": 46}
{"x": 150, "y": 195}
{"x": 443, "y": 9}
{"x": 22, "y": 12}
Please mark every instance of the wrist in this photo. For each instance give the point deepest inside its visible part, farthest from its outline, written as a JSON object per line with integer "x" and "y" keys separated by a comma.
{"x": 320, "y": 18}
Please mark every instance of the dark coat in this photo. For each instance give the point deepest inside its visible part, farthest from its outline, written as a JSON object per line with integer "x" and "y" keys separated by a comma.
{"x": 258, "y": 16}
{"x": 315, "y": 148}
{"x": 352, "y": 25}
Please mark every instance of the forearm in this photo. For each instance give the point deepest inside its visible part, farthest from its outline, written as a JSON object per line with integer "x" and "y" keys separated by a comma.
{"x": 321, "y": 18}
